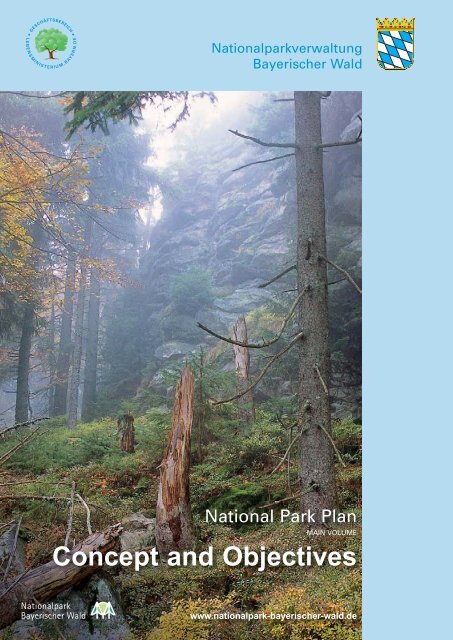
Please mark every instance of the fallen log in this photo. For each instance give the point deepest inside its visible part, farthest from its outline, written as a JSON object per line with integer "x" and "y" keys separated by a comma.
{"x": 45, "y": 582}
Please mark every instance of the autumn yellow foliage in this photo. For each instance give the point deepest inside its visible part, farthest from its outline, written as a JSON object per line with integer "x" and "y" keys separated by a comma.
{"x": 292, "y": 601}
{"x": 35, "y": 185}
{"x": 177, "y": 624}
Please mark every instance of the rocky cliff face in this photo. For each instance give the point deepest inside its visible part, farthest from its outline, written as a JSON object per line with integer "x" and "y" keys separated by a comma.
{"x": 235, "y": 226}
{"x": 239, "y": 227}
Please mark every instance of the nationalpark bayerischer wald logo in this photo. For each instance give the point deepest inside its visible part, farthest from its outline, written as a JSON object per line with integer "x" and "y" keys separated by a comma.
{"x": 51, "y": 43}
{"x": 103, "y": 609}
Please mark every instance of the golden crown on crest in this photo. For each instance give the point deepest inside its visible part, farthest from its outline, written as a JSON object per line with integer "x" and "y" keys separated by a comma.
{"x": 395, "y": 24}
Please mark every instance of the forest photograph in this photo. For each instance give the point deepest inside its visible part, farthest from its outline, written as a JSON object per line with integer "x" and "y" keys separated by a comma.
{"x": 180, "y": 365}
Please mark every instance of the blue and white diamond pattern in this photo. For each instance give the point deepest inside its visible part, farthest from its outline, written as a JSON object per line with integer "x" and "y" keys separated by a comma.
{"x": 395, "y": 49}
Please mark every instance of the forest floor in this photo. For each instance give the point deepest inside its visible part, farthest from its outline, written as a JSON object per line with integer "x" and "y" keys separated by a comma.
{"x": 233, "y": 474}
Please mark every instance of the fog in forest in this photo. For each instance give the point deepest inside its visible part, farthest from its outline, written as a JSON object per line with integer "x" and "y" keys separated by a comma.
{"x": 180, "y": 327}
{"x": 183, "y": 238}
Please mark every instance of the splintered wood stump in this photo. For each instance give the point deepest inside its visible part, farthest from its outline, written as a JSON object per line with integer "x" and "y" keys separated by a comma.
{"x": 127, "y": 431}
{"x": 48, "y": 580}
{"x": 242, "y": 361}
{"x": 174, "y": 527}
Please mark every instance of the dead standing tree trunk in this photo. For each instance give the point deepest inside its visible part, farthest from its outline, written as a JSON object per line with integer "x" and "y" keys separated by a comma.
{"x": 317, "y": 471}
{"x": 174, "y": 527}
{"x": 242, "y": 361}
{"x": 126, "y": 430}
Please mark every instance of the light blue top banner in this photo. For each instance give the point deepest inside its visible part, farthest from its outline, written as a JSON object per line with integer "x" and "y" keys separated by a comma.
{"x": 176, "y": 45}
{"x": 407, "y": 225}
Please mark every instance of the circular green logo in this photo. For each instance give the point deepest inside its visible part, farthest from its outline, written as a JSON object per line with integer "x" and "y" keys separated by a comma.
{"x": 51, "y": 43}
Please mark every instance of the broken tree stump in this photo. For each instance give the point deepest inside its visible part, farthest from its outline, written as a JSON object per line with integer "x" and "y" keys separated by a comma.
{"x": 242, "y": 362}
{"x": 48, "y": 580}
{"x": 174, "y": 526}
{"x": 126, "y": 431}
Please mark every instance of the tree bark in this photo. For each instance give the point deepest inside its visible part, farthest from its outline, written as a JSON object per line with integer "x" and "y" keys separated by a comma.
{"x": 51, "y": 360}
{"x": 242, "y": 361}
{"x": 317, "y": 472}
{"x": 91, "y": 358}
{"x": 74, "y": 377}
{"x": 174, "y": 526}
{"x": 23, "y": 365}
{"x": 28, "y": 326}
{"x": 126, "y": 430}
{"x": 48, "y": 580}
{"x": 65, "y": 345}
{"x": 201, "y": 413}
{"x": 74, "y": 380}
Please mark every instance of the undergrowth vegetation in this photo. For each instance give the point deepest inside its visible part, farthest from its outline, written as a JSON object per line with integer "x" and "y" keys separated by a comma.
{"x": 232, "y": 471}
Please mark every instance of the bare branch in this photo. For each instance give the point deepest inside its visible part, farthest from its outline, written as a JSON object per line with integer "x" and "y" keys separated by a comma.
{"x": 324, "y": 386}
{"x": 5, "y": 525}
{"x": 335, "y": 448}
{"x": 274, "y": 359}
{"x": 18, "y": 579}
{"x": 277, "y": 277}
{"x": 344, "y": 144}
{"x": 31, "y": 497}
{"x": 257, "y": 345}
{"x": 287, "y": 450}
{"x": 283, "y": 100}
{"x": 327, "y": 145}
{"x": 313, "y": 487}
{"x": 35, "y": 480}
{"x": 250, "y": 164}
{"x": 34, "y": 95}
{"x": 22, "y": 424}
{"x": 13, "y": 550}
{"x": 71, "y": 515}
{"x": 271, "y": 504}
{"x": 280, "y": 145}
{"x": 56, "y": 499}
{"x": 343, "y": 271}
{"x": 87, "y": 509}
{"x": 230, "y": 340}
{"x": 6, "y": 456}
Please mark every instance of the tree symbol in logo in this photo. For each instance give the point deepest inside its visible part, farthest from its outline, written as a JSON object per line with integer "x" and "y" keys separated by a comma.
{"x": 51, "y": 40}
{"x": 102, "y": 609}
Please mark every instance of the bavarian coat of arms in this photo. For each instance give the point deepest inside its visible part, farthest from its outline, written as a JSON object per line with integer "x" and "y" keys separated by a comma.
{"x": 395, "y": 43}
